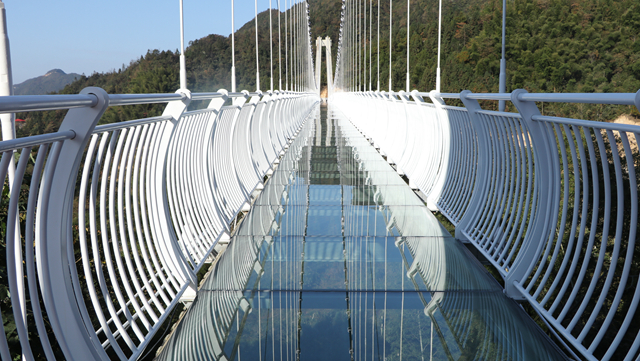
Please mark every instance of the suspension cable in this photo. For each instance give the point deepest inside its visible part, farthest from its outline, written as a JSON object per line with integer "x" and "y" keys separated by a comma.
{"x": 295, "y": 46}
{"x": 370, "y": 44}
{"x": 364, "y": 42}
{"x": 233, "y": 53}
{"x": 183, "y": 64}
{"x": 408, "y": 35}
{"x": 293, "y": 37}
{"x": 390, "y": 40}
{"x": 286, "y": 48}
{"x": 279, "y": 50}
{"x": 378, "y": 45}
{"x": 257, "y": 60}
{"x": 359, "y": 42}
{"x": 354, "y": 44}
{"x": 271, "y": 45}
{"x": 439, "y": 40}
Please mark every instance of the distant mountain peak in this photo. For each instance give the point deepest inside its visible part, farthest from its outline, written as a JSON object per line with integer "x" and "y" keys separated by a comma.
{"x": 55, "y": 71}
{"x": 54, "y": 80}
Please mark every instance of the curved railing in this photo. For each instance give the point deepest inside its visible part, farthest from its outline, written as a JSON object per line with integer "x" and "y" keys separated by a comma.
{"x": 226, "y": 297}
{"x": 106, "y": 226}
{"x": 551, "y": 202}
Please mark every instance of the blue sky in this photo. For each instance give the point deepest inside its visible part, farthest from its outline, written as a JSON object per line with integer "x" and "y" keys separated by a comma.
{"x": 83, "y": 36}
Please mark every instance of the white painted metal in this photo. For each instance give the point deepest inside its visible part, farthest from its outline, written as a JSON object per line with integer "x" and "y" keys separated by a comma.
{"x": 551, "y": 202}
{"x": 6, "y": 80}
{"x": 152, "y": 202}
{"x": 183, "y": 61}
{"x": 233, "y": 49}
{"x": 438, "y": 79}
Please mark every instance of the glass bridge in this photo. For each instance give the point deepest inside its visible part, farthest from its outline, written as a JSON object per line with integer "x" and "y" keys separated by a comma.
{"x": 339, "y": 259}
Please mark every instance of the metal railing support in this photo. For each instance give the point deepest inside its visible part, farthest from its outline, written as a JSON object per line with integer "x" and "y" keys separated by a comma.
{"x": 167, "y": 238}
{"x": 443, "y": 120}
{"x": 542, "y": 225}
{"x": 53, "y": 254}
{"x": 482, "y": 175}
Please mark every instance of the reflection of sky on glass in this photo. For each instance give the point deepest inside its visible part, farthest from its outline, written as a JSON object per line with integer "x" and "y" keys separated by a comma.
{"x": 342, "y": 260}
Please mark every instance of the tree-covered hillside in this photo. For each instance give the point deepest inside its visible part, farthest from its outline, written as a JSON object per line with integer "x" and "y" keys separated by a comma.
{"x": 552, "y": 46}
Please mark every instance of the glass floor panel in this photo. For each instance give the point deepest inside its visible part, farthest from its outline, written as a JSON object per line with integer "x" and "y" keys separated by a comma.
{"x": 338, "y": 259}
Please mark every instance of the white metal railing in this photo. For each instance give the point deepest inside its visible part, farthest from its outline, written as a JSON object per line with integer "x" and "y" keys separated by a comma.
{"x": 222, "y": 302}
{"x": 106, "y": 226}
{"x": 551, "y": 202}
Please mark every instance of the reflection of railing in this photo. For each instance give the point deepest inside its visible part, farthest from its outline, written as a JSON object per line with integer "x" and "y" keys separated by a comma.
{"x": 110, "y": 223}
{"x": 551, "y": 202}
{"x": 214, "y": 325}
{"x": 469, "y": 306}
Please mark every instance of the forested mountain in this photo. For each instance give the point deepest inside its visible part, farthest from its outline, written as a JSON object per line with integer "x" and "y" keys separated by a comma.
{"x": 53, "y": 81}
{"x": 552, "y": 46}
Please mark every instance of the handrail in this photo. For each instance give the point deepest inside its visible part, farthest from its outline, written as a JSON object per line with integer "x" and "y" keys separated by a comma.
{"x": 36, "y": 140}
{"x": 134, "y": 99}
{"x": 588, "y": 123}
{"x": 25, "y": 103}
{"x": 32, "y": 103}
{"x": 205, "y": 96}
{"x": 585, "y": 98}
{"x": 489, "y": 96}
{"x": 131, "y": 123}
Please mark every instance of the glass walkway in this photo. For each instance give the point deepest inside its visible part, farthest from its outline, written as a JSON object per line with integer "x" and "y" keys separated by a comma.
{"x": 340, "y": 260}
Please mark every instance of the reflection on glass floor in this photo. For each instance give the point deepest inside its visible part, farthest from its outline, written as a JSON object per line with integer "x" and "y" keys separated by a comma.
{"x": 340, "y": 260}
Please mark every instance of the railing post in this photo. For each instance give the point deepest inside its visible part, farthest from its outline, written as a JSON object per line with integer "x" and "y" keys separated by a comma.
{"x": 166, "y": 237}
{"x": 56, "y": 216}
{"x": 253, "y": 122}
{"x": 482, "y": 170}
{"x": 541, "y": 222}
{"x": 442, "y": 117}
{"x": 216, "y": 104}
{"x": 239, "y": 103}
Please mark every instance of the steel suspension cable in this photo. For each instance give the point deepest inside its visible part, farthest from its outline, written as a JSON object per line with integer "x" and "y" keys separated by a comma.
{"x": 257, "y": 60}
{"x": 378, "y": 45}
{"x": 296, "y": 45}
{"x": 390, "y": 41}
{"x": 233, "y": 53}
{"x": 439, "y": 42}
{"x": 183, "y": 66}
{"x": 294, "y": 50}
{"x": 286, "y": 48}
{"x": 299, "y": 46}
{"x": 359, "y": 42}
{"x": 347, "y": 35}
{"x": 370, "y": 44}
{"x": 364, "y": 35}
{"x": 298, "y": 74}
{"x": 408, "y": 36}
{"x": 293, "y": 47}
{"x": 354, "y": 27}
{"x": 270, "y": 45}
{"x": 279, "y": 50}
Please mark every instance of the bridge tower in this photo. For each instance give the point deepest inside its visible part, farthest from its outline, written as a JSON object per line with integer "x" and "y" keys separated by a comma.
{"x": 326, "y": 42}
{"x": 319, "y": 43}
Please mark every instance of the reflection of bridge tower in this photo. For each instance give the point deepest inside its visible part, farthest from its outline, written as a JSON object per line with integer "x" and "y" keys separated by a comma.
{"x": 326, "y": 42}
